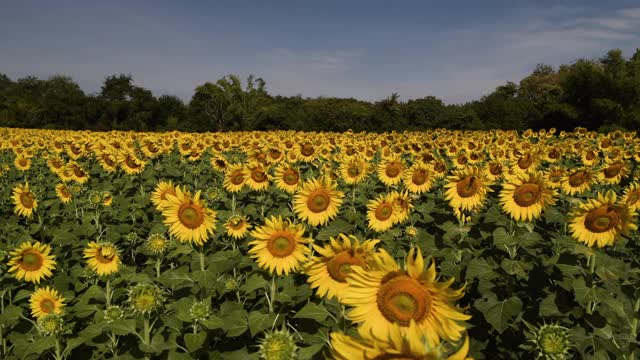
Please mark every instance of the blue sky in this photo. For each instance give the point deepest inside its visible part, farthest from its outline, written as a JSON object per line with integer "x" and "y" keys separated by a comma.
{"x": 455, "y": 50}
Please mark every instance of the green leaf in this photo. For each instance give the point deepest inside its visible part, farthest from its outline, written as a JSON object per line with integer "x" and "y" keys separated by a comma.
{"x": 259, "y": 322}
{"x": 10, "y": 315}
{"x": 548, "y": 306}
{"x": 306, "y": 353}
{"x": 334, "y": 228}
{"x": 213, "y": 322}
{"x": 183, "y": 307}
{"x": 253, "y": 283}
{"x": 499, "y": 314}
{"x": 195, "y": 341}
{"x": 122, "y": 326}
{"x": 235, "y": 322}
{"x": 479, "y": 268}
{"x": 313, "y": 311}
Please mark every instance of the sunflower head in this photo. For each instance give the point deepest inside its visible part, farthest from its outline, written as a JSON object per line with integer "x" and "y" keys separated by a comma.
{"x": 602, "y": 220}
{"x": 103, "y": 257}
{"x": 551, "y": 341}
{"x": 145, "y": 298}
{"x": 46, "y": 301}
{"x": 50, "y": 324}
{"x": 113, "y": 313}
{"x": 157, "y": 244}
{"x": 199, "y": 311}
{"x": 278, "y": 345}
{"x": 318, "y": 201}
{"x": 24, "y": 201}
{"x": 31, "y": 262}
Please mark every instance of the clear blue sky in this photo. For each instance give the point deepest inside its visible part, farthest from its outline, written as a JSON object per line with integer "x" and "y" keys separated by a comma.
{"x": 455, "y": 50}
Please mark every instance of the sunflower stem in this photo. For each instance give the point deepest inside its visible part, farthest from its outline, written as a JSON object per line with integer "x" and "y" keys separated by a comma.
{"x": 146, "y": 333}
{"x": 58, "y": 355}
{"x": 272, "y": 296}
{"x": 202, "y": 265}
{"x": 107, "y": 293}
{"x": 158, "y": 264}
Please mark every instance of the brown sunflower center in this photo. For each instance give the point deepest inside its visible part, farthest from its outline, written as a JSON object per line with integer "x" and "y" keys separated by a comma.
{"x": 602, "y": 219}
{"x": 47, "y": 306}
{"x": 461, "y": 159}
{"x": 495, "y": 169}
{"x": 290, "y": 177}
{"x": 634, "y": 197}
{"x": 393, "y": 169}
{"x": 340, "y": 265}
{"x": 554, "y": 154}
{"x": 26, "y": 199}
{"x": 555, "y": 176}
{"x": 108, "y": 159}
{"x": 468, "y": 186}
{"x": 612, "y": 171}
{"x": 590, "y": 155}
{"x": 440, "y": 167}
{"x": 64, "y": 191}
{"x": 319, "y": 200}
{"x": 281, "y": 245}
{"x": 31, "y": 261}
{"x": 237, "y": 177}
{"x": 525, "y": 161}
{"x": 191, "y": 215}
{"x": 401, "y": 299}
{"x": 419, "y": 177}
{"x": 220, "y": 164}
{"x": 258, "y": 175}
{"x": 105, "y": 255}
{"x": 131, "y": 162}
{"x": 307, "y": 150}
{"x": 23, "y": 162}
{"x": 384, "y": 211}
{"x": 353, "y": 170}
{"x": 526, "y": 194}
{"x": 78, "y": 172}
{"x": 578, "y": 178}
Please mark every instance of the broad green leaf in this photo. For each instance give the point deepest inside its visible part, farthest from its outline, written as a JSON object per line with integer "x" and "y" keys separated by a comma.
{"x": 259, "y": 321}
{"x": 312, "y": 311}
{"x": 194, "y": 341}
{"x": 500, "y": 314}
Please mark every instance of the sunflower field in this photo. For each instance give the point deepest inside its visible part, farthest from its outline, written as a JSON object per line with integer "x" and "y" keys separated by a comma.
{"x": 289, "y": 245}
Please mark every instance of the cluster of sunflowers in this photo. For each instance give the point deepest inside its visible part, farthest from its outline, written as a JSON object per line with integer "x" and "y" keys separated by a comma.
{"x": 401, "y": 308}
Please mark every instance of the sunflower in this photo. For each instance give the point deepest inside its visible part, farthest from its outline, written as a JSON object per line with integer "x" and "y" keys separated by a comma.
{"x": 55, "y": 164}
{"x": 402, "y": 204}
{"x": 317, "y": 201}
{"x": 390, "y": 171}
{"x": 576, "y": 182}
{"x": 45, "y": 301}
{"x": 527, "y": 162}
{"x": 103, "y": 258}
{"x": 258, "y": 179}
{"x": 237, "y": 226}
{"x": 22, "y": 163}
{"x": 63, "y": 193}
{"x": 31, "y": 262}
{"x": 287, "y": 178}
{"x": 613, "y": 172}
{"x": 188, "y": 218}
{"x": 78, "y": 174}
{"x": 235, "y": 178}
{"x": 24, "y": 201}
{"x": 353, "y": 170}
{"x": 279, "y": 246}
{"x": 554, "y": 177}
{"x": 219, "y": 163}
{"x": 418, "y": 178}
{"x": 381, "y": 213}
{"x": 524, "y": 196}
{"x": 329, "y": 271}
{"x": 631, "y": 196}
{"x": 402, "y": 343}
{"x": 107, "y": 161}
{"x": 601, "y": 221}
{"x": 467, "y": 189}
{"x": 386, "y": 295}
{"x": 494, "y": 171}
{"x": 130, "y": 163}
{"x": 159, "y": 195}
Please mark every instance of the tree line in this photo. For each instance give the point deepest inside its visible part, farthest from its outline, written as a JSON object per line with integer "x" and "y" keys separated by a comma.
{"x": 599, "y": 94}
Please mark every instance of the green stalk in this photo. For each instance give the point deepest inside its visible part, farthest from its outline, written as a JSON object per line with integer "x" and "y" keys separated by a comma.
{"x": 58, "y": 355}
{"x": 158, "y": 263}
{"x": 202, "y": 265}
{"x": 107, "y": 293}
{"x": 272, "y": 296}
